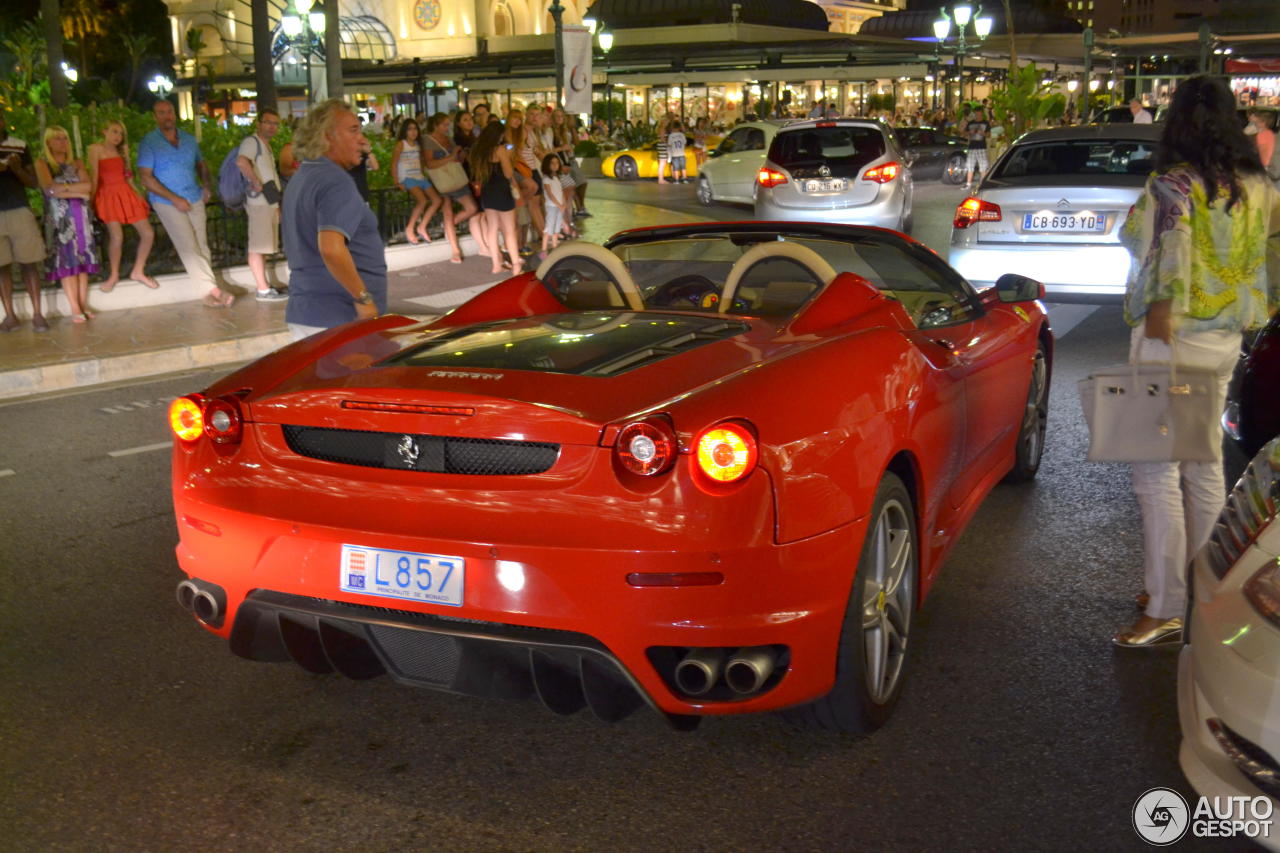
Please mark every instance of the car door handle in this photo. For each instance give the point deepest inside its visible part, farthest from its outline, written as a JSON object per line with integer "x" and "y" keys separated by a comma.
{"x": 944, "y": 343}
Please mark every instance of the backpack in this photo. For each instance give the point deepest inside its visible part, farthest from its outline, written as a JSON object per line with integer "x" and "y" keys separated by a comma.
{"x": 232, "y": 186}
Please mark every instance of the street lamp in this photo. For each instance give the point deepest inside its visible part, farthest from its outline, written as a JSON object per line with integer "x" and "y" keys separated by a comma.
{"x": 961, "y": 15}
{"x": 299, "y": 18}
{"x": 160, "y": 86}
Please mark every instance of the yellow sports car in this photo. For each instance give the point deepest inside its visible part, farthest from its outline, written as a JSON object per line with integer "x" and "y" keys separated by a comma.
{"x": 632, "y": 163}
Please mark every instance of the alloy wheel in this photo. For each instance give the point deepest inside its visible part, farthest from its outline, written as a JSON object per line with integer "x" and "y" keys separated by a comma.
{"x": 887, "y": 600}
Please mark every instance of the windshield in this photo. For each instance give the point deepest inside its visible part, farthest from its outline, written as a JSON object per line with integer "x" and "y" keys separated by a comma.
{"x": 1110, "y": 162}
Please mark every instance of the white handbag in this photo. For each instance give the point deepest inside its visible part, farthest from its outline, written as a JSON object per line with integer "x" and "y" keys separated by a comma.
{"x": 1153, "y": 413}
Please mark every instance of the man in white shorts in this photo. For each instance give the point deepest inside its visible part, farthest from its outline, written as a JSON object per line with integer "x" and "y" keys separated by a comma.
{"x": 262, "y": 202}
{"x": 976, "y": 131}
{"x": 676, "y": 142}
{"x": 20, "y": 240}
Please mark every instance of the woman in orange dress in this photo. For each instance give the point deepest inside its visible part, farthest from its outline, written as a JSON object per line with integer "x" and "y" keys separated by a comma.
{"x": 117, "y": 203}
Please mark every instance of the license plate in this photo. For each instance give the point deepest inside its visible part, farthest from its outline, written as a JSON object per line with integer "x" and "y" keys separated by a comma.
{"x": 830, "y": 185}
{"x": 1066, "y": 223}
{"x": 430, "y": 578}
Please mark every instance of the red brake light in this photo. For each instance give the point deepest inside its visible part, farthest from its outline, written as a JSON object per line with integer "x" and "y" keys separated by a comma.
{"x": 769, "y": 178}
{"x": 647, "y": 447}
{"x": 726, "y": 452}
{"x": 186, "y": 417}
{"x": 973, "y": 210}
{"x": 882, "y": 174}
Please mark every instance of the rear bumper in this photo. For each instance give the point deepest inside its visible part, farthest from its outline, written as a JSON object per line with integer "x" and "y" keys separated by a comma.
{"x": 884, "y": 212}
{"x": 562, "y": 611}
{"x": 1079, "y": 270}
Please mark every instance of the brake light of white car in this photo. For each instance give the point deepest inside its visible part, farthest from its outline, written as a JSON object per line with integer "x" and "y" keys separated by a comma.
{"x": 647, "y": 447}
{"x": 770, "y": 178}
{"x": 726, "y": 452}
{"x": 1263, "y": 591}
{"x": 882, "y": 174}
{"x": 973, "y": 210}
{"x": 195, "y": 415}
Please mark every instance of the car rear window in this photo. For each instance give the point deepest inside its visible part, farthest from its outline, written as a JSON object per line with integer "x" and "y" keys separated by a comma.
{"x": 1107, "y": 162}
{"x": 847, "y": 146}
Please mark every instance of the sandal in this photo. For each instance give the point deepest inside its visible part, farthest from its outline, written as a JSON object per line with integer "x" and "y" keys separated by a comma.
{"x": 227, "y": 298}
{"x": 39, "y": 323}
{"x": 108, "y": 286}
{"x": 79, "y": 318}
{"x": 213, "y": 300}
{"x": 146, "y": 280}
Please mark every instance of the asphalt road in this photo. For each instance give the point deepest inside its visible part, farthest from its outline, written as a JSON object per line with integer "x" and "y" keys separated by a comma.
{"x": 125, "y": 727}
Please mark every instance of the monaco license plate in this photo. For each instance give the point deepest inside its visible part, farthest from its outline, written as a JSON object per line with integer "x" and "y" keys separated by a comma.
{"x": 1083, "y": 222}
{"x": 429, "y": 578}
{"x": 827, "y": 185}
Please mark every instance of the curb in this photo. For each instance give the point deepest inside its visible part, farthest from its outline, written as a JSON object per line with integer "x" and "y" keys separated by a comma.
{"x": 98, "y": 371}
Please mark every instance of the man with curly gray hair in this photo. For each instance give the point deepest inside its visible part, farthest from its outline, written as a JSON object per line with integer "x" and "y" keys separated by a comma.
{"x": 337, "y": 266}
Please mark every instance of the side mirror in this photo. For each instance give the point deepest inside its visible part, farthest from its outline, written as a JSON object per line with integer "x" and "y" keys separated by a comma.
{"x": 1012, "y": 287}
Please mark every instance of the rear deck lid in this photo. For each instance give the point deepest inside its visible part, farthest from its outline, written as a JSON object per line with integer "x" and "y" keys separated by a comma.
{"x": 825, "y": 163}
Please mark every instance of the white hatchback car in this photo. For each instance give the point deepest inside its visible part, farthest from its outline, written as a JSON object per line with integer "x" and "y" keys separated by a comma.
{"x": 1229, "y": 669}
{"x": 1051, "y": 208}
{"x": 731, "y": 168}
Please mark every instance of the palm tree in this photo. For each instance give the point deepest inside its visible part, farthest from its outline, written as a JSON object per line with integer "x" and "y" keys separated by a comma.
{"x": 83, "y": 20}
{"x": 26, "y": 43}
{"x": 263, "y": 69}
{"x": 137, "y": 46}
{"x": 1008, "y": 28}
{"x": 195, "y": 44}
{"x": 333, "y": 49}
{"x": 51, "y": 13}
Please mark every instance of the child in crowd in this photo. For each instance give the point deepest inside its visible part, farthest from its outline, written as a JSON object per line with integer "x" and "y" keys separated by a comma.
{"x": 676, "y": 142}
{"x": 557, "y": 204}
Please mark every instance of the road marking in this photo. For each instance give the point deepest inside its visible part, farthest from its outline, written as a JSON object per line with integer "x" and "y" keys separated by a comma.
{"x": 135, "y": 405}
{"x": 146, "y": 448}
{"x": 7, "y": 472}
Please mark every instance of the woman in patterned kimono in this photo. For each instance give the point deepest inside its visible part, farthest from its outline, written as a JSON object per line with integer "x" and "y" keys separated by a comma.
{"x": 68, "y": 225}
{"x": 1201, "y": 235}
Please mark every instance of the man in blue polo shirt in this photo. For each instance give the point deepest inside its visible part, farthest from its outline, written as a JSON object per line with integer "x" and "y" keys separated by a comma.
{"x": 169, "y": 161}
{"x": 337, "y": 263}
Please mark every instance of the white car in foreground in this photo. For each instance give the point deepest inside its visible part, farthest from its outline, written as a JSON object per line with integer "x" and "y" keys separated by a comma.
{"x": 1229, "y": 670}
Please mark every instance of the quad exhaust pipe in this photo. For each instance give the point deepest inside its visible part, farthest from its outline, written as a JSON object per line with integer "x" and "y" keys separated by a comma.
{"x": 206, "y": 601}
{"x": 745, "y": 670}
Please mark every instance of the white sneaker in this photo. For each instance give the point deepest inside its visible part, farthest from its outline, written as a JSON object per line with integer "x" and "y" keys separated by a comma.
{"x": 271, "y": 295}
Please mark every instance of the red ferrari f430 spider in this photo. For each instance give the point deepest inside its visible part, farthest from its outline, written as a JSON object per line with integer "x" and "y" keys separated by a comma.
{"x": 710, "y": 468}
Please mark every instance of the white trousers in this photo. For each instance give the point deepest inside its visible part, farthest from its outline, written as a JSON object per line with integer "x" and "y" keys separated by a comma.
{"x": 1180, "y": 501}
{"x": 190, "y": 238}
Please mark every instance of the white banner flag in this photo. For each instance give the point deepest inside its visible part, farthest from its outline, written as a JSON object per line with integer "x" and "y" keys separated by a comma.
{"x": 577, "y": 70}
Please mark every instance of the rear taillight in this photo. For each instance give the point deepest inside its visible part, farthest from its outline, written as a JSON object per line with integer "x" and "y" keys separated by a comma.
{"x": 882, "y": 174}
{"x": 647, "y": 447}
{"x": 770, "y": 178}
{"x": 186, "y": 417}
{"x": 195, "y": 415}
{"x": 725, "y": 452}
{"x": 222, "y": 421}
{"x": 973, "y": 210}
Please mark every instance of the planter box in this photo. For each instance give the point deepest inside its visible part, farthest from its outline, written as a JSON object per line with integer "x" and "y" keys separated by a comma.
{"x": 590, "y": 166}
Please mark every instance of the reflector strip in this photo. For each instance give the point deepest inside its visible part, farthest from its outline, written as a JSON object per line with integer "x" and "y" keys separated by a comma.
{"x": 675, "y": 578}
{"x": 408, "y": 408}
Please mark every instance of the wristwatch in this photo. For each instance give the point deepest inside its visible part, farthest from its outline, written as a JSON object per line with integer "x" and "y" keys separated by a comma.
{"x": 365, "y": 297}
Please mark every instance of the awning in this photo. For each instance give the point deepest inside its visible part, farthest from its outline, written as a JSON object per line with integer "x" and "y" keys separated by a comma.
{"x": 1253, "y": 66}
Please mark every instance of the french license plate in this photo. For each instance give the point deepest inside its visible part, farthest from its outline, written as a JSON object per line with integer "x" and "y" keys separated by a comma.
{"x": 829, "y": 185}
{"x": 1067, "y": 223}
{"x": 430, "y": 578}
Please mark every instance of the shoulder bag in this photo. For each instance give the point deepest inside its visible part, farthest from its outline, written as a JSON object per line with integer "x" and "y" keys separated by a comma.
{"x": 1153, "y": 413}
{"x": 447, "y": 178}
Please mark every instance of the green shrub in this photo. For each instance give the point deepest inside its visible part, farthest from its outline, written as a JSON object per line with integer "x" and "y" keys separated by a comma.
{"x": 586, "y": 148}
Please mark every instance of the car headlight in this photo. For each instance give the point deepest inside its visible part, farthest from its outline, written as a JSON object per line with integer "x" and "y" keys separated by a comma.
{"x": 1250, "y": 507}
{"x": 1263, "y": 591}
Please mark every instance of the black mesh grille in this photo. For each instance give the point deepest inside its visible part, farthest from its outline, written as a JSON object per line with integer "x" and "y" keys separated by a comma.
{"x": 435, "y": 453}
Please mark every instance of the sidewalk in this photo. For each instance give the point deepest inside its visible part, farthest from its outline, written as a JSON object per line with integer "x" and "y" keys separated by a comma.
{"x": 140, "y": 332}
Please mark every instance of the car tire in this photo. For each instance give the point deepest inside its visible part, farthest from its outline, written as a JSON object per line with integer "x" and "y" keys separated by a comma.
{"x": 624, "y": 169}
{"x": 953, "y": 172}
{"x": 1035, "y": 417}
{"x": 877, "y": 622}
{"x": 704, "y": 191}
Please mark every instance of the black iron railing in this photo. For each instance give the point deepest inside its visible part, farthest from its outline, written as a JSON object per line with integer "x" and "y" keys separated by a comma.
{"x": 228, "y": 232}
